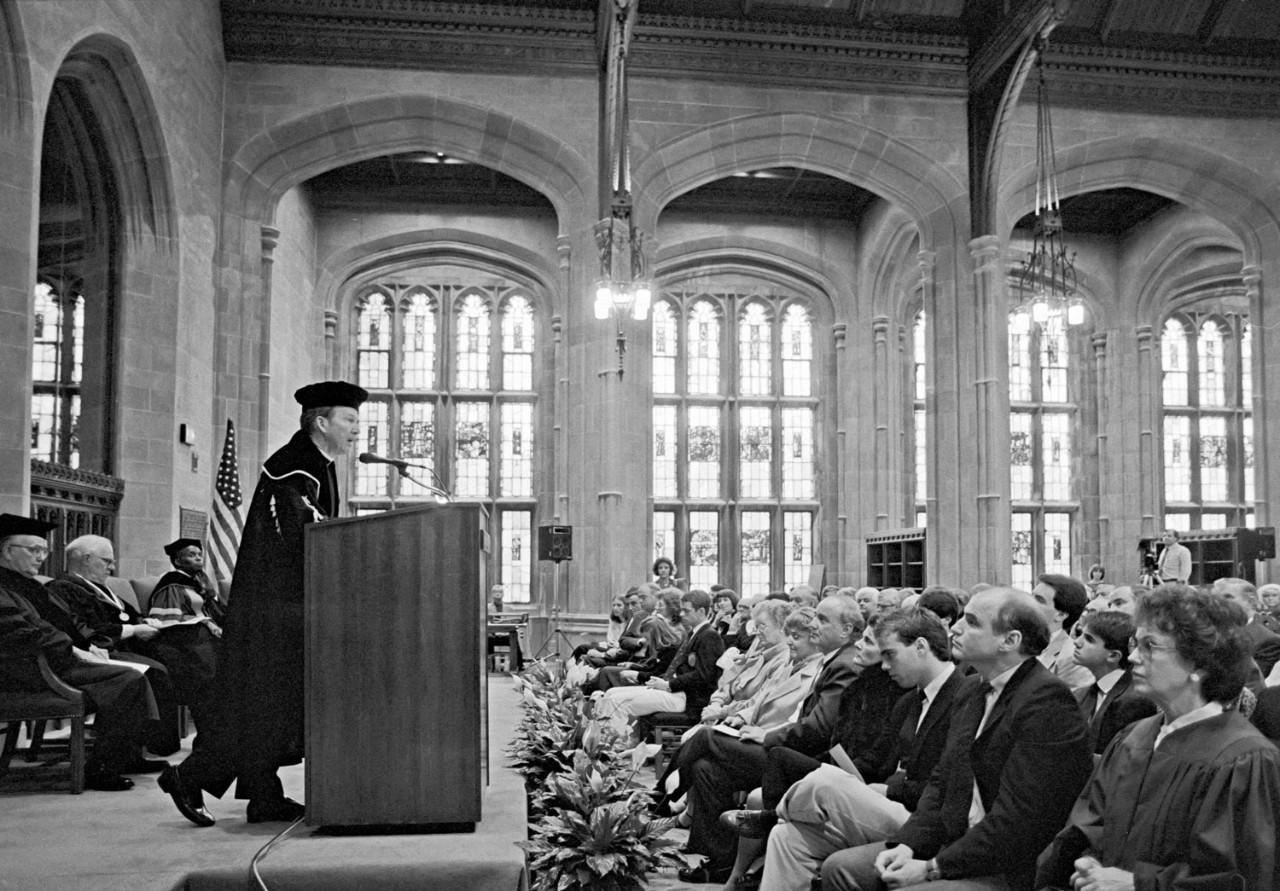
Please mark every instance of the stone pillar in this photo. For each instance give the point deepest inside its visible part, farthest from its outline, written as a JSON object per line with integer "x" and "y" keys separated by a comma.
{"x": 848, "y": 567}
{"x": 991, "y": 553}
{"x": 1095, "y": 400}
{"x": 270, "y": 239}
{"x": 1150, "y": 464}
{"x": 331, "y": 343}
{"x": 882, "y": 405}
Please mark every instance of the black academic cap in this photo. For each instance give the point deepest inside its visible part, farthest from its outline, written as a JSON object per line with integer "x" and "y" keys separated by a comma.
{"x": 173, "y": 547}
{"x": 327, "y": 394}
{"x": 13, "y": 524}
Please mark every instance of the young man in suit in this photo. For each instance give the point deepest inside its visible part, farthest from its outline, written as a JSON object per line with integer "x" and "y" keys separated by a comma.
{"x": 733, "y": 765}
{"x": 829, "y": 810}
{"x": 687, "y": 683}
{"x": 1061, "y": 599}
{"x": 1016, "y": 758}
{"x": 1110, "y": 703}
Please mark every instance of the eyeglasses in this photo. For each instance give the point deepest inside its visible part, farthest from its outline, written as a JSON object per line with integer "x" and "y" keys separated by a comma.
{"x": 34, "y": 550}
{"x": 1145, "y": 647}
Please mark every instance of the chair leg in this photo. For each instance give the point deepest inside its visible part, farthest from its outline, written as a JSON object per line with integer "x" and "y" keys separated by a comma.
{"x": 658, "y": 759}
{"x": 11, "y": 731}
{"x": 36, "y": 741}
{"x": 77, "y": 754}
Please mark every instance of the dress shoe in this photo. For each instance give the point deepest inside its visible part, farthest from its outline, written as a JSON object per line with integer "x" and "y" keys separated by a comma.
{"x": 273, "y": 810}
{"x": 100, "y": 780}
{"x": 704, "y": 875}
{"x": 190, "y": 801}
{"x": 750, "y": 824}
{"x": 146, "y": 765}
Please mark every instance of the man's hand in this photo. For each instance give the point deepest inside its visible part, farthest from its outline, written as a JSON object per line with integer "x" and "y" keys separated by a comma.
{"x": 892, "y": 859}
{"x": 734, "y": 721}
{"x": 141, "y": 632}
{"x": 658, "y": 684}
{"x": 1090, "y": 875}
{"x": 753, "y": 734}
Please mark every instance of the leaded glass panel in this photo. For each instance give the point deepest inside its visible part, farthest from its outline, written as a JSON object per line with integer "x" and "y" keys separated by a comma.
{"x": 704, "y": 348}
{"x": 664, "y": 534}
{"x": 704, "y": 549}
{"x": 472, "y": 343}
{"x": 471, "y": 449}
{"x": 797, "y": 453}
{"x": 517, "y": 344}
{"x": 1056, "y": 457}
{"x": 373, "y": 347}
{"x": 1173, "y": 362}
{"x": 1213, "y": 459}
{"x": 516, "y": 568}
{"x": 797, "y": 547}
{"x": 666, "y": 451}
{"x": 666, "y": 346}
{"x": 704, "y": 452}
{"x": 797, "y": 351}
{"x": 515, "y": 472}
{"x": 418, "y": 346}
{"x": 1177, "y": 458}
{"x": 755, "y": 351}
{"x": 1057, "y": 543}
{"x": 755, "y": 431}
{"x": 1021, "y": 454}
{"x": 1023, "y": 572}
{"x": 371, "y": 479}
{"x": 755, "y": 549}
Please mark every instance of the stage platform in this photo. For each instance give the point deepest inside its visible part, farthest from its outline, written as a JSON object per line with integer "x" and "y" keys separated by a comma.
{"x": 136, "y": 840}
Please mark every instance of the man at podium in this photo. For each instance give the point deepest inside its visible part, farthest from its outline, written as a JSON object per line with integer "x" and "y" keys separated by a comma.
{"x": 258, "y": 725}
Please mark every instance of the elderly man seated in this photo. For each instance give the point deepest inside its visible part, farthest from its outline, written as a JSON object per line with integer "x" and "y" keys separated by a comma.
{"x": 1266, "y": 643}
{"x": 119, "y": 694}
{"x": 80, "y": 604}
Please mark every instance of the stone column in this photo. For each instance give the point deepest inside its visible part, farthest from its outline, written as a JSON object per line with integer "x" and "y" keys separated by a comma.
{"x": 848, "y": 566}
{"x": 1100, "y": 480}
{"x": 270, "y": 239}
{"x": 882, "y": 404}
{"x": 331, "y": 343}
{"x": 1150, "y": 465}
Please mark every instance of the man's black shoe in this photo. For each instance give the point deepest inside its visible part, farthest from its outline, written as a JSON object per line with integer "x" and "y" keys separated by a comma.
{"x": 750, "y": 824}
{"x": 146, "y": 765}
{"x": 662, "y": 806}
{"x": 273, "y": 810}
{"x": 190, "y": 801}
{"x": 704, "y": 875}
{"x": 100, "y": 780}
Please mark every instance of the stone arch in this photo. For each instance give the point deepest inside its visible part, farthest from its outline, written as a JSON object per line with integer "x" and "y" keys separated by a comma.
{"x": 1247, "y": 203}
{"x": 275, "y": 160}
{"x": 16, "y": 103}
{"x": 1171, "y": 281}
{"x": 934, "y": 196}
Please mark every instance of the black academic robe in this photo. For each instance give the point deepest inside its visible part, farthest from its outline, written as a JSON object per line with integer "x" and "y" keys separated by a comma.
{"x": 190, "y": 651}
{"x": 1197, "y": 813}
{"x": 259, "y": 688}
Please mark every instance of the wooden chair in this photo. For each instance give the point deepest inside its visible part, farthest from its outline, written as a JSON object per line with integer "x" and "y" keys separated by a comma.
{"x": 60, "y": 701}
{"x": 667, "y": 728}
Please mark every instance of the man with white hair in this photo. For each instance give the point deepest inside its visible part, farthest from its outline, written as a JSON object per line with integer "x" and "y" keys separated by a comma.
{"x": 80, "y": 604}
{"x": 1266, "y": 643}
{"x": 1270, "y": 596}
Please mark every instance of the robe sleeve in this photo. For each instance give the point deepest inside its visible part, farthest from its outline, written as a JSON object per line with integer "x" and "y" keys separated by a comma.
{"x": 1233, "y": 836}
{"x": 170, "y": 604}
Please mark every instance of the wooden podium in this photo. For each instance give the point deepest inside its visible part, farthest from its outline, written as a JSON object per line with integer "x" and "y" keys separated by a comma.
{"x": 395, "y": 676}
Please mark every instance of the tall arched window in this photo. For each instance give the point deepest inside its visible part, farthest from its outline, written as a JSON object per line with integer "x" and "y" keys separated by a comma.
{"x": 1042, "y": 416}
{"x": 451, "y": 377}
{"x": 57, "y": 365}
{"x": 1208, "y": 423}
{"x": 734, "y": 426}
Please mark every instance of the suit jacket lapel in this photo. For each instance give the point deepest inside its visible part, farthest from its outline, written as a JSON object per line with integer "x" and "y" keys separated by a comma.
{"x": 941, "y": 704}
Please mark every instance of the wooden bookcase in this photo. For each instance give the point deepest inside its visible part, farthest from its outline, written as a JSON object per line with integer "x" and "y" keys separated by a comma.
{"x": 896, "y": 558}
{"x": 1232, "y": 552}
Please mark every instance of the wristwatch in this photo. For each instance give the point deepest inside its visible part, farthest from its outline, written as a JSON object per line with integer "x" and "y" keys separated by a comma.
{"x": 931, "y": 871}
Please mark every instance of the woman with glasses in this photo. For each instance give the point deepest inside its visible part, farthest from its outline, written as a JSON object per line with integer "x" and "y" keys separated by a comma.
{"x": 1188, "y": 797}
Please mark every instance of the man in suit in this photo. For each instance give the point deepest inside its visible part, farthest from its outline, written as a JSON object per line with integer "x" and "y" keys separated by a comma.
{"x": 732, "y": 765}
{"x": 1016, "y": 758}
{"x": 81, "y": 605}
{"x": 119, "y": 694}
{"x": 1110, "y": 703}
{"x": 1266, "y": 643}
{"x": 689, "y": 680}
{"x": 829, "y": 810}
{"x": 1062, "y": 599}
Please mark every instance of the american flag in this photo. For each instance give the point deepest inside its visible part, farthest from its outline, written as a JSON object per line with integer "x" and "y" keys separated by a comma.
{"x": 228, "y": 523}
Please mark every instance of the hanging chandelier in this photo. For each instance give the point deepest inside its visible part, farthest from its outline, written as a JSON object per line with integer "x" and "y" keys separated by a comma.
{"x": 1047, "y": 277}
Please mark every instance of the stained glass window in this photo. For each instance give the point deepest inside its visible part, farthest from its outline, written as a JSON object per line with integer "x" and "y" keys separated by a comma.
{"x": 664, "y": 534}
{"x": 516, "y": 565}
{"x": 472, "y": 356}
{"x": 704, "y": 348}
{"x": 517, "y": 344}
{"x": 1173, "y": 355}
{"x": 755, "y": 351}
{"x": 1023, "y": 571}
{"x": 797, "y": 547}
{"x": 735, "y": 422}
{"x": 1057, "y": 543}
{"x": 426, "y": 343}
{"x": 1208, "y": 428}
{"x": 1021, "y": 452}
{"x": 1053, "y": 359}
{"x": 755, "y": 432}
{"x": 418, "y": 349}
{"x": 1056, "y": 458}
{"x": 373, "y": 352}
{"x": 57, "y": 360}
{"x": 797, "y": 351}
{"x": 755, "y": 547}
{"x": 1020, "y": 357}
{"x": 704, "y": 549}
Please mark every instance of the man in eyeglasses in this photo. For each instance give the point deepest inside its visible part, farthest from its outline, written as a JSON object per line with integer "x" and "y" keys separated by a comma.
{"x": 119, "y": 694}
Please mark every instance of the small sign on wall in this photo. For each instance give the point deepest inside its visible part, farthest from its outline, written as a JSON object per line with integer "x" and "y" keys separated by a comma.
{"x": 192, "y": 523}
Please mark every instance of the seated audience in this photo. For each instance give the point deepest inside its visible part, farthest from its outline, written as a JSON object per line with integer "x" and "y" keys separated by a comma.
{"x": 1111, "y": 702}
{"x": 1124, "y": 598}
{"x": 1266, "y": 643}
{"x": 749, "y": 672}
{"x": 1097, "y": 575}
{"x": 867, "y": 598}
{"x": 186, "y": 607}
{"x": 639, "y": 602}
{"x": 942, "y": 602}
{"x": 685, "y": 685}
{"x": 732, "y": 765}
{"x": 1015, "y": 760}
{"x": 803, "y": 595}
{"x": 664, "y": 573}
{"x": 888, "y": 599}
{"x": 741, "y": 631}
{"x": 830, "y": 810}
{"x": 1062, "y": 600}
{"x": 1187, "y": 798}
{"x": 1270, "y": 596}
{"x": 578, "y": 669}
{"x": 81, "y": 605}
{"x": 657, "y": 634}
{"x": 724, "y": 606}
{"x": 118, "y": 694}
{"x": 774, "y": 705}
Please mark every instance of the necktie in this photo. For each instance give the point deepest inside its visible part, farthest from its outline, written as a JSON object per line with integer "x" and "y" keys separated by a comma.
{"x": 1089, "y": 705}
{"x": 679, "y": 658}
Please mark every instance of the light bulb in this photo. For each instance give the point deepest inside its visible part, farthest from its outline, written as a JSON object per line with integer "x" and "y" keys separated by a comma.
{"x": 1040, "y": 311}
{"x": 1075, "y": 313}
{"x": 644, "y": 297}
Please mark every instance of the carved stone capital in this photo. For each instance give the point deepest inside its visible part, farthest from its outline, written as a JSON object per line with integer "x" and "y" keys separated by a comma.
{"x": 838, "y": 332}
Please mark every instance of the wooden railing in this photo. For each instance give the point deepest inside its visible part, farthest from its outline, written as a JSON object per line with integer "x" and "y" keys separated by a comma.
{"x": 77, "y": 502}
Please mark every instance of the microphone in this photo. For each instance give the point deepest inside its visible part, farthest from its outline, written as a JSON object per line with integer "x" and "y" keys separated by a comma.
{"x": 441, "y": 494}
{"x": 371, "y": 458}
